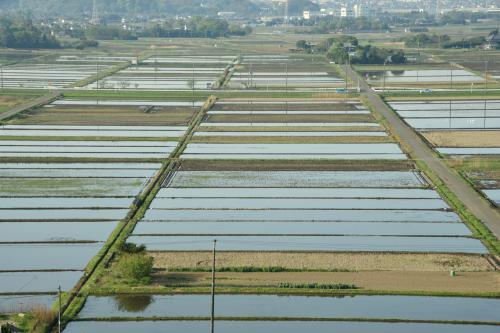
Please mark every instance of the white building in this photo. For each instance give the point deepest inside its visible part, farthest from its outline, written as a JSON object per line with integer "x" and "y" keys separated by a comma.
{"x": 346, "y": 11}
{"x": 358, "y": 10}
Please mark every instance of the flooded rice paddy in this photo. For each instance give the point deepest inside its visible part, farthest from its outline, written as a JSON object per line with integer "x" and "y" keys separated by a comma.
{"x": 294, "y": 151}
{"x": 92, "y": 131}
{"x": 48, "y": 256}
{"x": 301, "y": 228}
{"x": 314, "y": 243}
{"x": 312, "y": 215}
{"x": 423, "y": 75}
{"x": 37, "y": 282}
{"x": 268, "y": 327}
{"x": 272, "y": 306}
{"x": 297, "y": 179}
{"x": 477, "y": 120}
{"x": 55, "y": 231}
{"x": 43, "y": 76}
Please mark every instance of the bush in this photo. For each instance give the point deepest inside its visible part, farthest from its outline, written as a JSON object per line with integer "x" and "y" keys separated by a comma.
{"x": 132, "y": 248}
{"x": 137, "y": 267}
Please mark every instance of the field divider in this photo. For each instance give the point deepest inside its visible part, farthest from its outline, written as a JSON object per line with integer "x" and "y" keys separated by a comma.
{"x": 75, "y": 299}
{"x": 223, "y": 80}
{"x": 101, "y": 74}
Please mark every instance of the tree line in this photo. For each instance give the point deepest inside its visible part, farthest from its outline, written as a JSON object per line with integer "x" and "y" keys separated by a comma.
{"x": 21, "y": 32}
{"x": 346, "y": 49}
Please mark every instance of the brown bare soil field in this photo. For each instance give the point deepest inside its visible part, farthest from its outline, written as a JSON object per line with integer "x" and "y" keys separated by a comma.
{"x": 261, "y": 165}
{"x": 472, "y": 282}
{"x": 327, "y": 261}
{"x": 105, "y": 115}
{"x": 7, "y": 102}
{"x": 464, "y": 138}
{"x": 276, "y": 118}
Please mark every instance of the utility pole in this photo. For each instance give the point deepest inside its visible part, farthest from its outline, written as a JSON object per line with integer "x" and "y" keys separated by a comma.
{"x": 156, "y": 64}
{"x": 60, "y": 305}
{"x": 212, "y": 317}
{"x": 286, "y": 16}
{"x": 451, "y": 77}
{"x": 383, "y": 86}
{"x": 450, "y": 114}
{"x": 95, "y": 14}
{"x": 194, "y": 83}
{"x": 97, "y": 82}
{"x": 286, "y": 86}
{"x": 1, "y": 74}
{"x": 485, "y": 91}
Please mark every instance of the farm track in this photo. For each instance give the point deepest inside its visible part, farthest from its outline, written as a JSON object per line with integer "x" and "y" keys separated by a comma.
{"x": 477, "y": 205}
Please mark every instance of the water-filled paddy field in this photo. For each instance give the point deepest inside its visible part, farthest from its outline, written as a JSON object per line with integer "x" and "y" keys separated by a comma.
{"x": 420, "y": 78}
{"x": 49, "y": 75}
{"x": 276, "y": 210}
{"x": 268, "y": 327}
{"x": 267, "y": 72}
{"x": 271, "y": 306}
{"x": 168, "y": 73}
{"x": 461, "y": 130}
{"x": 64, "y": 212}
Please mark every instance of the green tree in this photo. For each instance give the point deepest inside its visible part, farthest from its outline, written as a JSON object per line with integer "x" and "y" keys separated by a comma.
{"x": 136, "y": 267}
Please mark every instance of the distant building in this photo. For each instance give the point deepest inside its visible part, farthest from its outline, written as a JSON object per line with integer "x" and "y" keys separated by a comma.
{"x": 308, "y": 14}
{"x": 358, "y": 10}
{"x": 346, "y": 11}
{"x": 226, "y": 14}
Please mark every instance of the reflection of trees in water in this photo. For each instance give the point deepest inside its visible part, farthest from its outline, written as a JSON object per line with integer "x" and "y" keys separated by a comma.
{"x": 398, "y": 73}
{"x": 133, "y": 303}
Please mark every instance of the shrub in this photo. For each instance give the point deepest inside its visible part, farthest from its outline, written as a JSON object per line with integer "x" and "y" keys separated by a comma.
{"x": 132, "y": 248}
{"x": 136, "y": 267}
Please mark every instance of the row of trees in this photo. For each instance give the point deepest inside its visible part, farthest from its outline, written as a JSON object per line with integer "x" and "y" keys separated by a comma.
{"x": 343, "y": 49}
{"x": 385, "y": 21}
{"x": 365, "y": 54}
{"x": 199, "y": 27}
{"x": 444, "y": 41}
{"x": 20, "y": 32}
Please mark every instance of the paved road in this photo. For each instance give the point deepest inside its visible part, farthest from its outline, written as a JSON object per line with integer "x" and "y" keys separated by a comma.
{"x": 31, "y": 104}
{"x": 478, "y": 205}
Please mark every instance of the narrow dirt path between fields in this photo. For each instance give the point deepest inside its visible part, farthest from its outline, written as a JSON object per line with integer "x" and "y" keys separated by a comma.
{"x": 476, "y": 204}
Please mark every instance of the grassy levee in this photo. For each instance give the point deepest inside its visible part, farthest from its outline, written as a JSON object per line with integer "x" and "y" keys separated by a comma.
{"x": 76, "y": 298}
{"x": 101, "y": 74}
{"x": 479, "y": 229}
{"x": 225, "y": 77}
{"x": 187, "y": 95}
